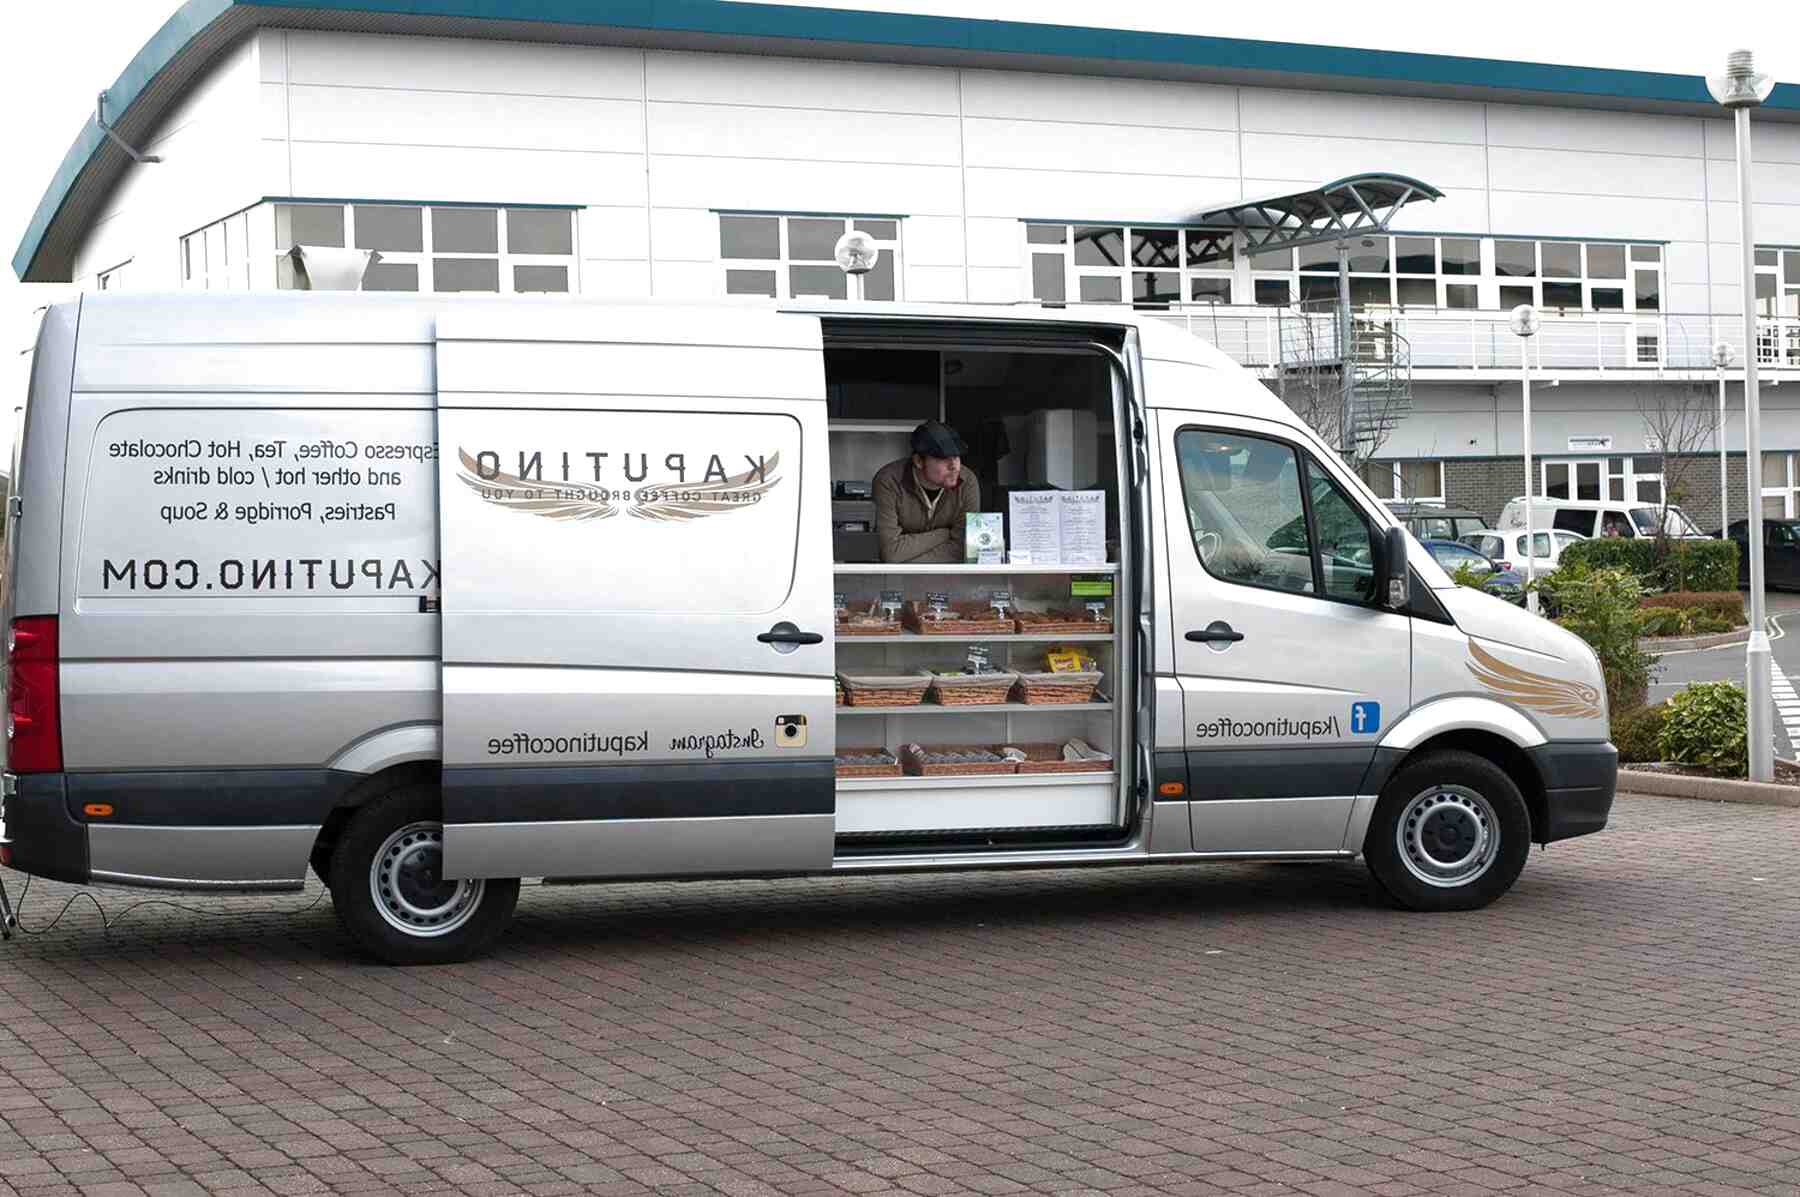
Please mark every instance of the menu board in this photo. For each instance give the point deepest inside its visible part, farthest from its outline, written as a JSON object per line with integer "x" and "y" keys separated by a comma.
{"x": 1058, "y": 527}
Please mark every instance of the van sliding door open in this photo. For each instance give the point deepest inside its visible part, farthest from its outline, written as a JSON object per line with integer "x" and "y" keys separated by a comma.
{"x": 637, "y": 651}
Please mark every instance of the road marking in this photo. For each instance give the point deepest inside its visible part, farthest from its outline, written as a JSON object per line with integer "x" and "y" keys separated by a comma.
{"x": 1787, "y": 703}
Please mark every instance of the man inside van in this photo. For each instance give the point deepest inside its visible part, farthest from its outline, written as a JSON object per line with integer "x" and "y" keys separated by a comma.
{"x": 920, "y": 500}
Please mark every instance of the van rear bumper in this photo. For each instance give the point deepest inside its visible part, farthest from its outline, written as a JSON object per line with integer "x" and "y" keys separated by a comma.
{"x": 42, "y": 838}
{"x": 1579, "y": 782}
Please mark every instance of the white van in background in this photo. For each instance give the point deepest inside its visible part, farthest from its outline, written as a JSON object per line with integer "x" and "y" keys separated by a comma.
{"x": 1599, "y": 517}
{"x": 435, "y": 594}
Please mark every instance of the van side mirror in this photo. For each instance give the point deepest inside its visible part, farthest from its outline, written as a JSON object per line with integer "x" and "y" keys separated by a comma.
{"x": 1396, "y": 573}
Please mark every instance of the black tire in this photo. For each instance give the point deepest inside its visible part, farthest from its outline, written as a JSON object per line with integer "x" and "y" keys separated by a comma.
{"x": 1450, "y": 832}
{"x": 422, "y": 919}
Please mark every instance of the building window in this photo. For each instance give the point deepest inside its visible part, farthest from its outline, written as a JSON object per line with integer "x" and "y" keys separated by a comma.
{"x": 440, "y": 248}
{"x": 112, "y": 279}
{"x": 1156, "y": 267}
{"x": 1406, "y": 480}
{"x": 1617, "y": 479}
{"x": 791, "y": 257}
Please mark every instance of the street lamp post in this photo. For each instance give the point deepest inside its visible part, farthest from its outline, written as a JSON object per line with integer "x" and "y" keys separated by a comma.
{"x": 1524, "y": 323}
{"x": 1740, "y": 89}
{"x": 1722, "y": 359}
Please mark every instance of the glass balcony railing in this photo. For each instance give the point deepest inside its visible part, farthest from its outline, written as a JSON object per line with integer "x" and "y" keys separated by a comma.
{"x": 1480, "y": 340}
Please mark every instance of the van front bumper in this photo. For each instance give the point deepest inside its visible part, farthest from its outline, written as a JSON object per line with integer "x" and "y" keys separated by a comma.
{"x": 1579, "y": 782}
{"x": 41, "y": 837}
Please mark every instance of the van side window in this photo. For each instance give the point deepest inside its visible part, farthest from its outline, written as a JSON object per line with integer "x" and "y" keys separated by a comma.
{"x": 1346, "y": 547}
{"x": 1573, "y": 519}
{"x": 1253, "y": 525}
{"x": 1245, "y": 509}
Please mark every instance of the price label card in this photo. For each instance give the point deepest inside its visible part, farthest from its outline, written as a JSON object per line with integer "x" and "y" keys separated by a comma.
{"x": 892, "y": 600}
{"x": 1090, "y": 587}
{"x": 1096, "y": 609}
{"x": 837, "y": 601}
{"x": 980, "y": 660}
{"x": 1000, "y": 600}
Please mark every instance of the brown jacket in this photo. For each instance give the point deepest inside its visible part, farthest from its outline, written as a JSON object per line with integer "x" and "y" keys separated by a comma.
{"x": 912, "y": 529}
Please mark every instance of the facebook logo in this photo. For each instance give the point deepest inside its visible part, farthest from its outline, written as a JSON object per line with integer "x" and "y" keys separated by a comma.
{"x": 1365, "y": 718}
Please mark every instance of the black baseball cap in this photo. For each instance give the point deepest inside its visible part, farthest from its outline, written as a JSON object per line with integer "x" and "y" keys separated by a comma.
{"x": 933, "y": 439}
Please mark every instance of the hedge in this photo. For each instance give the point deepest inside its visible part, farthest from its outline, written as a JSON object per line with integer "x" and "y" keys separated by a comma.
{"x": 1703, "y": 565}
{"x": 1726, "y": 604}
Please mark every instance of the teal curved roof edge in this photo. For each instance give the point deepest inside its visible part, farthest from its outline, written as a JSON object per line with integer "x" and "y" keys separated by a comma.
{"x": 204, "y": 27}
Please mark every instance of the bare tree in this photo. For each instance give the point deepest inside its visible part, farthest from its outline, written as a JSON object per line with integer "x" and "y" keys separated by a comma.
{"x": 1312, "y": 373}
{"x": 1679, "y": 422}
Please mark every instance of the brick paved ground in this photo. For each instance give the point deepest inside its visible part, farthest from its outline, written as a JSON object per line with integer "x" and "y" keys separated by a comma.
{"x": 1623, "y": 1022}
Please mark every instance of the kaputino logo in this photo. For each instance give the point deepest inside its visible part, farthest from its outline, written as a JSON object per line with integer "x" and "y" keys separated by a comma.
{"x": 555, "y": 485}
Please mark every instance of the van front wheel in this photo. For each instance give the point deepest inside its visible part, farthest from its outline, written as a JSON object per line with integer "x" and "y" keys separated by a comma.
{"x": 388, "y": 887}
{"x": 1450, "y": 832}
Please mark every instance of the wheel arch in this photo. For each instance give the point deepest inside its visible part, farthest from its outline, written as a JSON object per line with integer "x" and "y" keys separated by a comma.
{"x": 360, "y": 792}
{"x": 1503, "y": 754}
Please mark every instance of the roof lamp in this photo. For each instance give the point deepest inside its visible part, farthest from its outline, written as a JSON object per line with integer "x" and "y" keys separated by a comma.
{"x": 1740, "y": 86}
{"x": 856, "y": 252}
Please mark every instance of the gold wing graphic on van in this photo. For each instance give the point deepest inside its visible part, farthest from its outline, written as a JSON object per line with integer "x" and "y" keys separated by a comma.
{"x": 552, "y": 500}
{"x": 692, "y": 500}
{"x": 1536, "y": 691}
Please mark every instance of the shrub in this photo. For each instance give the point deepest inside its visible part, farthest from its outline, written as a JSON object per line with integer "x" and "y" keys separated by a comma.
{"x": 1635, "y": 734}
{"x": 1700, "y": 565}
{"x": 1705, "y": 726}
{"x": 1663, "y": 622}
{"x": 1705, "y": 623}
{"x": 1601, "y": 606}
{"x": 1465, "y": 575}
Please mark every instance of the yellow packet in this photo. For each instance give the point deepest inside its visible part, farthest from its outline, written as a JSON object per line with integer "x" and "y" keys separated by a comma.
{"x": 1063, "y": 660}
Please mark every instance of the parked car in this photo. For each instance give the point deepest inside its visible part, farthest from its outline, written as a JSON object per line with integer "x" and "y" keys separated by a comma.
{"x": 1499, "y": 580}
{"x": 1781, "y": 551}
{"x": 1508, "y": 548}
{"x": 1429, "y": 521}
{"x": 1599, "y": 517}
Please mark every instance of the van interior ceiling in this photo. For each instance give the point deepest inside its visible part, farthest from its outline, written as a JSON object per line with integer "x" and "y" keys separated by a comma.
{"x": 920, "y": 764}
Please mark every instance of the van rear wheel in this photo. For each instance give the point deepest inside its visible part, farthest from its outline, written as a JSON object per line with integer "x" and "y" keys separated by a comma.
{"x": 388, "y": 887}
{"x": 1450, "y": 832}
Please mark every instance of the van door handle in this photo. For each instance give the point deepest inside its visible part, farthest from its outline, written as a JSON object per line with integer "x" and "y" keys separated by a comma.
{"x": 1216, "y": 633}
{"x": 787, "y": 633}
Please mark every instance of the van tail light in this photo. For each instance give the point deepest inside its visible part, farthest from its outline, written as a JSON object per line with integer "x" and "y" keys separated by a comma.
{"x": 1503, "y": 565}
{"x": 33, "y": 699}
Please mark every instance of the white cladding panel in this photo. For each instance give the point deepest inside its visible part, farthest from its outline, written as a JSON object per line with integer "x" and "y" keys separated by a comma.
{"x": 1069, "y": 146}
{"x": 1448, "y": 167}
{"x": 820, "y": 134}
{"x": 1090, "y": 100}
{"x": 1584, "y": 172}
{"x": 459, "y": 65}
{"x": 414, "y": 117}
{"x": 1592, "y": 132}
{"x": 801, "y": 83}
{"x": 1271, "y": 111}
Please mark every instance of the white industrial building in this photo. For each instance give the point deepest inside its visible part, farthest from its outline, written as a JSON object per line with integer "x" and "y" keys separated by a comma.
{"x": 708, "y": 149}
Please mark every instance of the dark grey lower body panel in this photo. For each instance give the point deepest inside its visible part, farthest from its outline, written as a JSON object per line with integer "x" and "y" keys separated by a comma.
{"x": 1217, "y": 774}
{"x": 1579, "y": 782}
{"x": 711, "y": 817}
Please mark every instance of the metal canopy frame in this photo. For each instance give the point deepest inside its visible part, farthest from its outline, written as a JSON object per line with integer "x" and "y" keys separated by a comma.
{"x": 1329, "y": 212}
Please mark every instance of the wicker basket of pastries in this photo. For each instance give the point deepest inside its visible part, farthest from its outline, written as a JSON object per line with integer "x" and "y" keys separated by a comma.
{"x": 867, "y": 762}
{"x": 954, "y": 760}
{"x": 867, "y": 619}
{"x": 1043, "y": 689}
{"x": 1063, "y": 621}
{"x": 883, "y": 689}
{"x": 959, "y": 689}
{"x": 1070, "y": 756}
{"x": 971, "y": 618}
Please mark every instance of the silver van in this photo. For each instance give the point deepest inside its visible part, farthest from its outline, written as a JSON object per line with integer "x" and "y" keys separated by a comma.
{"x": 432, "y": 595}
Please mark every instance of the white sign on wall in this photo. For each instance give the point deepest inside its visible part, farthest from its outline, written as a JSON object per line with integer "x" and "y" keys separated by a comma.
{"x": 1591, "y": 444}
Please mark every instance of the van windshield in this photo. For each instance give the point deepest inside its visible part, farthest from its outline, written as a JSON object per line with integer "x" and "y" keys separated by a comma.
{"x": 1677, "y": 523}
